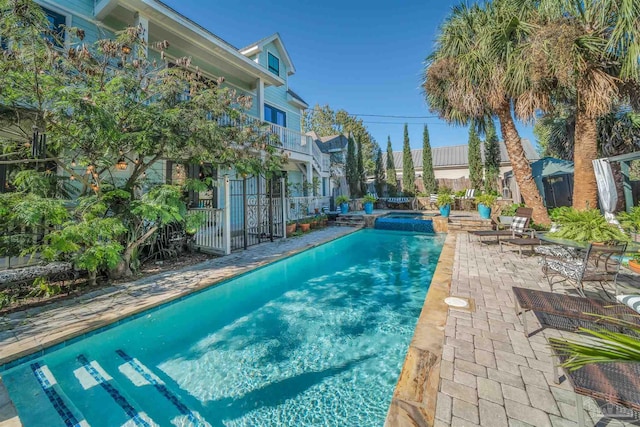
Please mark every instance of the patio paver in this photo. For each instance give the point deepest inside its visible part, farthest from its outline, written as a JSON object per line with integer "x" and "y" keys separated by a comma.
{"x": 513, "y": 373}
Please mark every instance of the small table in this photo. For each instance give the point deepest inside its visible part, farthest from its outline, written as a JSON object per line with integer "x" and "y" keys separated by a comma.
{"x": 569, "y": 313}
{"x": 562, "y": 242}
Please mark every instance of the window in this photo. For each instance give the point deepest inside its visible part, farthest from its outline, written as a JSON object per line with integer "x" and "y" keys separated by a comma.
{"x": 274, "y": 115}
{"x": 274, "y": 64}
{"x": 56, "y": 27}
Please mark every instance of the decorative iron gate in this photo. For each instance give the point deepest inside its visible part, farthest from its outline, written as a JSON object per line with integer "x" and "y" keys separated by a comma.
{"x": 256, "y": 211}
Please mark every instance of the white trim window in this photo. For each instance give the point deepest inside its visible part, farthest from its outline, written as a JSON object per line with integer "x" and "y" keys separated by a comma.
{"x": 57, "y": 23}
{"x": 273, "y": 63}
{"x": 275, "y": 116}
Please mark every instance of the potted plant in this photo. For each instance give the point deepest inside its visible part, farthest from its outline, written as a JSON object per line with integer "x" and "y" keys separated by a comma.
{"x": 305, "y": 225}
{"x": 630, "y": 222}
{"x": 369, "y": 200}
{"x": 485, "y": 201}
{"x": 634, "y": 263}
{"x": 343, "y": 202}
{"x": 444, "y": 204}
{"x": 586, "y": 226}
{"x": 324, "y": 219}
{"x": 291, "y": 227}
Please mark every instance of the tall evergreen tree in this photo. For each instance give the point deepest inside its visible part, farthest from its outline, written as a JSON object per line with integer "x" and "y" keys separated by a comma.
{"x": 352, "y": 168}
{"x": 361, "y": 176}
{"x": 428, "y": 176}
{"x": 379, "y": 173}
{"x": 491, "y": 158}
{"x": 475, "y": 160}
{"x": 391, "y": 170}
{"x": 408, "y": 170}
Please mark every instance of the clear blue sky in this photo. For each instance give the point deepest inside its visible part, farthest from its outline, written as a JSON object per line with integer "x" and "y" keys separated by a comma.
{"x": 366, "y": 57}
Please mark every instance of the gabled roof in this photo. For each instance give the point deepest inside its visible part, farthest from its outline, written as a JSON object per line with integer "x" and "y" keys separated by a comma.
{"x": 328, "y": 144}
{"x": 458, "y": 156}
{"x": 258, "y": 46}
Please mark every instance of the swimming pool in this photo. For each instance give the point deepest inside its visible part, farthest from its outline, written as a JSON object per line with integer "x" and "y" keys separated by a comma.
{"x": 315, "y": 339}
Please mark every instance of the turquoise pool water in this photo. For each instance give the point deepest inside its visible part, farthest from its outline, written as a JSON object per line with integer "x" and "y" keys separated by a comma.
{"x": 315, "y": 339}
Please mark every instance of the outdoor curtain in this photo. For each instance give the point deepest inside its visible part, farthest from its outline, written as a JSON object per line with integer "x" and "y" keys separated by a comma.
{"x": 606, "y": 188}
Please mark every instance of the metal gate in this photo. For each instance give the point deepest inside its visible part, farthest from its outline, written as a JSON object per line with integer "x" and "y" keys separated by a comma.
{"x": 256, "y": 211}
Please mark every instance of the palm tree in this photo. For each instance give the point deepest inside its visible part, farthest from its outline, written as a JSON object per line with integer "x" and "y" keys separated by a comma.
{"x": 589, "y": 50}
{"x": 476, "y": 72}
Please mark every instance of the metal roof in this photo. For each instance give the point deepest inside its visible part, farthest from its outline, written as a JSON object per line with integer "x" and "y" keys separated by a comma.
{"x": 457, "y": 156}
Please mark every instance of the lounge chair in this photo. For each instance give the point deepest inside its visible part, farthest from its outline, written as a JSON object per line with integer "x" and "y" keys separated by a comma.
{"x": 601, "y": 263}
{"x": 616, "y": 384}
{"x": 569, "y": 313}
{"x": 518, "y": 227}
{"x": 520, "y": 242}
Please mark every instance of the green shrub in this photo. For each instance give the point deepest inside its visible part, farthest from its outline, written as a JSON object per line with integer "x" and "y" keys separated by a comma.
{"x": 586, "y": 226}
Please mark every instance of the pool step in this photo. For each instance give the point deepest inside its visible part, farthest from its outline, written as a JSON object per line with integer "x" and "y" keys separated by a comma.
{"x": 39, "y": 399}
{"x": 350, "y": 221}
{"x": 144, "y": 380}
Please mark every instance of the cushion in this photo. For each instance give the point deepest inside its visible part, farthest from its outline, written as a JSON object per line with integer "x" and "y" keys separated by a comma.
{"x": 632, "y": 301}
{"x": 557, "y": 251}
{"x": 571, "y": 270}
{"x": 518, "y": 223}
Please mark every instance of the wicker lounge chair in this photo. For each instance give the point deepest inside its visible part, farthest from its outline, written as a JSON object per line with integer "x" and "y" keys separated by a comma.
{"x": 569, "y": 313}
{"x": 601, "y": 263}
{"x": 518, "y": 227}
{"x": 614, "y": 385}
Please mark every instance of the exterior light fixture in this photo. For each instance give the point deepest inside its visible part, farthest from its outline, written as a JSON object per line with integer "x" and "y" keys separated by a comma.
{"x": 122, "y": 164}
{"x": 126, "y": 49}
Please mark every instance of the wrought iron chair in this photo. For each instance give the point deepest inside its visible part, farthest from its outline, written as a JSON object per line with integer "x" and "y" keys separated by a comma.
{"x": 601, "y": 263}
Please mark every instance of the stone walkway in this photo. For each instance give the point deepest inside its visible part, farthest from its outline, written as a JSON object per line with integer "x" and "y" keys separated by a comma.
{"x": 491, "y": 374}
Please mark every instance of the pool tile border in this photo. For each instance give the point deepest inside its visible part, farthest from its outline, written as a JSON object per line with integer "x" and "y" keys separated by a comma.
{"x": 414, "y": 399}
{"x": 31, "y": 348}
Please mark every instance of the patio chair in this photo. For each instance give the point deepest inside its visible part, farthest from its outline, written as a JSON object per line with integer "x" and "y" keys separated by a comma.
{"x": 518, "y": 227}
{"x": 601, "y": 263}
{"x": 433, "y": 201}
{"x": 520, "y": 242}
{"x": 466, "y": 201}
{"x": 614, "y": 385}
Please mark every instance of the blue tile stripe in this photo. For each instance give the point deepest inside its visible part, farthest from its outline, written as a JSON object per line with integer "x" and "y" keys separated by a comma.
{"x": 182, "y": 408}
{"x": 113, "y": 392}
{"x": 56, "y": 400}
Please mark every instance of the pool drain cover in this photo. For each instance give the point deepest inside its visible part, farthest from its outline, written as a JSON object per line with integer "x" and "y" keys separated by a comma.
{"x": 456, "y": 302}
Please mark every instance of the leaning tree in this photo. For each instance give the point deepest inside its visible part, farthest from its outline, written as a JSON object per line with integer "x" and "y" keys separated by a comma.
{"x": 476, "y": 72}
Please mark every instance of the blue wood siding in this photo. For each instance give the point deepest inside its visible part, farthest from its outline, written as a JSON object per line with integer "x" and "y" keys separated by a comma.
{"x": 81, "y": 7}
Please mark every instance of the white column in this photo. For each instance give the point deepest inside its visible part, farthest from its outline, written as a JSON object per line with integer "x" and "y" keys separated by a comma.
{"x": 260, "y": 98}
{"x": 285, "y": 205}
{"x": 143, "y": 23}
{"x": 226, "y": 228}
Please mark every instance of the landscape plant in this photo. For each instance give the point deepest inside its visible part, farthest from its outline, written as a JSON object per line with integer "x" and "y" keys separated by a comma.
{"x": 475, "y": 160}
{"x": 391, "y": 170}
{"x": 110, "y": 115}
{"x": 586, "y": 226}
{"x": 408, "y": 169}
{"x": 428, "y": 175}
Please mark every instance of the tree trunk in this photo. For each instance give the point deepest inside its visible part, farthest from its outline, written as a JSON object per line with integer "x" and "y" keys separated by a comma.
{"x": 521, "y": 166}
{"x": 123, "y": 269}
{"x": 585, "y": 150}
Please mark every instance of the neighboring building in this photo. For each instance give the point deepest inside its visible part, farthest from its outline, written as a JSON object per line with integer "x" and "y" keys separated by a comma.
{"x": 451, "y": 165}
{"x": 334, "y": 148}
{"x": 261, "y": 71}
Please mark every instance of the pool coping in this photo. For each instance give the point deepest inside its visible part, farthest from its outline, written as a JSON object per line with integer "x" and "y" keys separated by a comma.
{"x": 416, "y": 392}
{"x": 33, "y": 348}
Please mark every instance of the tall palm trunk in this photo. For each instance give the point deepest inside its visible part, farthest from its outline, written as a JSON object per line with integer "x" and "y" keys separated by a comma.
{"x": 520, "y": 164}
{"x": 585, "y": 150}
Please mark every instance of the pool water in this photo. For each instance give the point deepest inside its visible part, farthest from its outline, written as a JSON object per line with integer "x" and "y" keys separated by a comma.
{"x": 316, "y": 339}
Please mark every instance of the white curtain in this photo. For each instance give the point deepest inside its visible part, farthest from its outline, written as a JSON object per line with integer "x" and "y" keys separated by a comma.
{"x": 606, "y": 188}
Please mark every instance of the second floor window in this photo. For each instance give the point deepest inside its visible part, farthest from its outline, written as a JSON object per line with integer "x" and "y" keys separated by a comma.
{"x": 56, "y": 26}
{"x": 274, "y": 115}
{"x": 274, "y": 64}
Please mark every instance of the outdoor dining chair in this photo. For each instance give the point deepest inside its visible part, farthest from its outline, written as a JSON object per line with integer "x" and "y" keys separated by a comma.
{"x": 518, "y": 227}
{"x": 601, "y": 263}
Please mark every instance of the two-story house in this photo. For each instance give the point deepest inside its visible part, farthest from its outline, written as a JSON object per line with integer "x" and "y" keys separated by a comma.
{"x": 260, "y": 71}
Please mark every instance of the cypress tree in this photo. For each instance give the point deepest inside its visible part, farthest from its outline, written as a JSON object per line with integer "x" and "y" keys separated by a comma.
{"x": 391, "y": 170}
{"x": 379, "y": 173}
{"x": 408, "y": 170}
{"x": 352, "y": 167}
{"x": 362, "y": 190}
{"x": 491, "y": 158}
{"x": 428, "y": 176}
{"x": 475, "y": 160}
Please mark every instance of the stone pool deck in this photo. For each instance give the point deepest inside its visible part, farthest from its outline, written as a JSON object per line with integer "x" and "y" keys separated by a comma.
{"x": 463, "y": 368}
{"x": 490, "y": 373}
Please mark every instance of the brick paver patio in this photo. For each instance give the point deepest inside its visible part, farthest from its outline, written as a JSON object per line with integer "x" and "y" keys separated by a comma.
{"x": 491, "y": 374}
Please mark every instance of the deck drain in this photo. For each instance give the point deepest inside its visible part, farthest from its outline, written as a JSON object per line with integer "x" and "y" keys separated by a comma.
{"x": 456, "y": 302}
